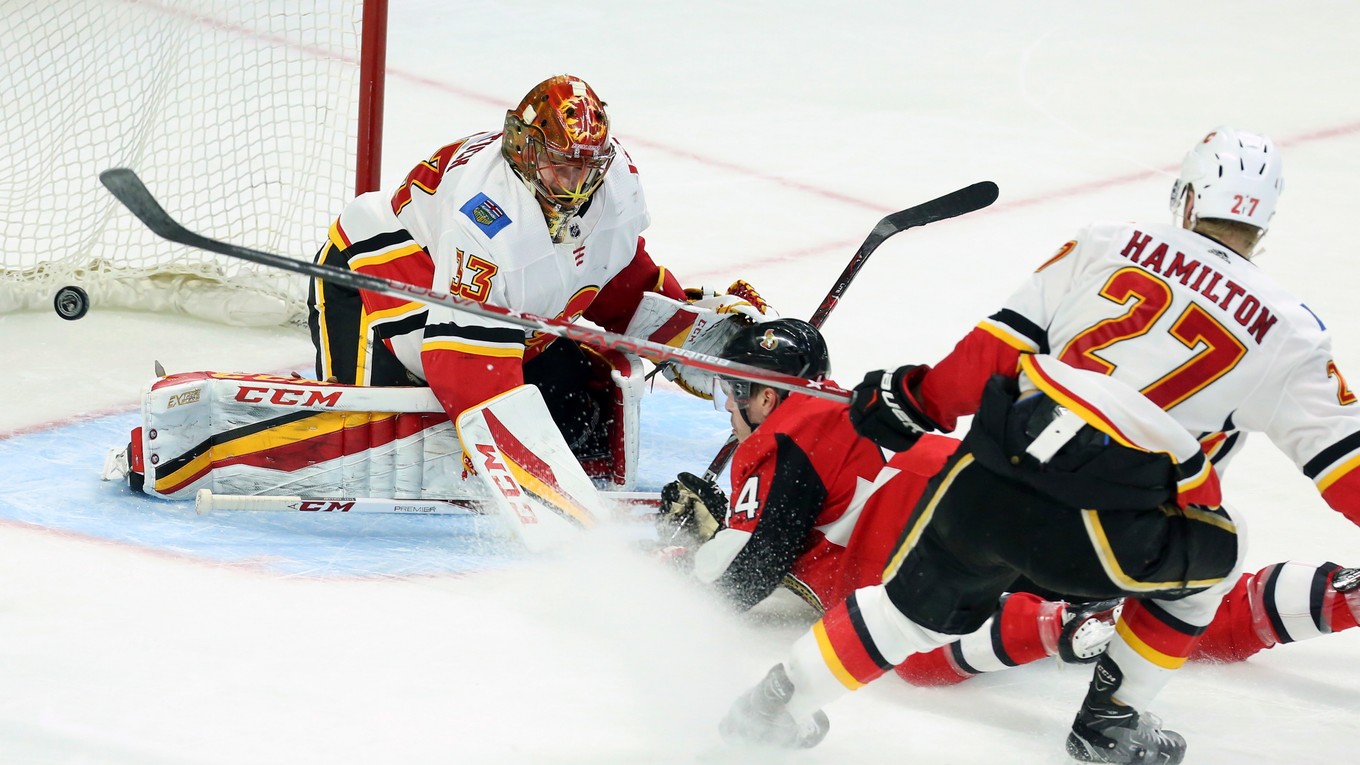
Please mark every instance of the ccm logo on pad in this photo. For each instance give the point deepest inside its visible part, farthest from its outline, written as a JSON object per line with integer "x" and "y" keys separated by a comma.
{"x": 287, "y": 396}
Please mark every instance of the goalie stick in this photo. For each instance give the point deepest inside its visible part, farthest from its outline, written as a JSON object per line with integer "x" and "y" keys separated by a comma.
{"x": 955, "y": 203}
{"x": 207, "y": 501}
{"x": 129, "y": 189}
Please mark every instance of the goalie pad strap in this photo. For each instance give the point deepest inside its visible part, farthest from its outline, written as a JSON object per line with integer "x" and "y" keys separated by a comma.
{"x": 628, "y": 384}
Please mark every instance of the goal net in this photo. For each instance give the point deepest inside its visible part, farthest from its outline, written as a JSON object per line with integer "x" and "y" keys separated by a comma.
{"x": 240, "y": 115}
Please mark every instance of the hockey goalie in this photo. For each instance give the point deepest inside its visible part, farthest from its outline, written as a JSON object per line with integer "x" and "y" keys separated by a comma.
{"x": 544, "y": 217}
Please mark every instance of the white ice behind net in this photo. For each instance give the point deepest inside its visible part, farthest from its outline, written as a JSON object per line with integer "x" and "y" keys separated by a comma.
{"x": 240, "y": 116}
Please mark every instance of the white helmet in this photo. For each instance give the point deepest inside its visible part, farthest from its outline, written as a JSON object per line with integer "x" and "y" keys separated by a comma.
{"x": 1235, "y": 176}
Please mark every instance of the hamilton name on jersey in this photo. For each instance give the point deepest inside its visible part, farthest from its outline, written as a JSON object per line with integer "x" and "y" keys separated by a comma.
{"x": 1233, "y": 299}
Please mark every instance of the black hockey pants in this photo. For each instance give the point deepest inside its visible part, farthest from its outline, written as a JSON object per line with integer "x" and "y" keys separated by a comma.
{"x": 988, "y": 518}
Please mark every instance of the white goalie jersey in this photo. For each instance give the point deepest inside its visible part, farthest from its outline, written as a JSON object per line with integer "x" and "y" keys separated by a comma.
{"x": 463, "y": 222}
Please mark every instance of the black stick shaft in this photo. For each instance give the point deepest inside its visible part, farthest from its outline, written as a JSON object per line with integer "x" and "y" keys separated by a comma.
{"x": 951, "y": 205}
{"x": 130, "y": 190}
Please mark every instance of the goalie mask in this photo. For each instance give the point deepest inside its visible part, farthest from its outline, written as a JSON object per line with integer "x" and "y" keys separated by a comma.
{"x": 1234, "y": 175}
{"x": 557, "y": 141}
{"x": 790, "y": 346}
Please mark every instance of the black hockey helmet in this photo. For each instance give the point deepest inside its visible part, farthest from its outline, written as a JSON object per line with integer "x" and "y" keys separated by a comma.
{"x": 791, "y": 346}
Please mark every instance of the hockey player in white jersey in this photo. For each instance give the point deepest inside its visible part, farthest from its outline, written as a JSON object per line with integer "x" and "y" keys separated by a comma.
{"x": 545, "y": 217}
{"x": 1179, "y": 313}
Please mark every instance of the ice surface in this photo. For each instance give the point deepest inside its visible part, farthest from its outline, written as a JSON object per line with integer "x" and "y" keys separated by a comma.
{"x": 771, "y": 136}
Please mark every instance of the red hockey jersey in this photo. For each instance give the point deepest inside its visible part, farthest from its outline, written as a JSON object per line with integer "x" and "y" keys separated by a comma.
{"x": 814, "y": 506}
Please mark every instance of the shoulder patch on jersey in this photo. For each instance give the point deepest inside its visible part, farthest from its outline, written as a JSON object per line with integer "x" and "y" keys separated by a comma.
{"x": 488, "y": 215}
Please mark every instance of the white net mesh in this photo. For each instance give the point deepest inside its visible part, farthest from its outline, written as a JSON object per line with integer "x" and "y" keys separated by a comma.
{"x": 240, "y": 116}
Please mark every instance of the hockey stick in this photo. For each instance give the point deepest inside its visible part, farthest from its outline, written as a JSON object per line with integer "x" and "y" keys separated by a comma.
{"x": 130, "y": 190}
{"x": 955, "y": 203}
{"x": 206, "y": 501}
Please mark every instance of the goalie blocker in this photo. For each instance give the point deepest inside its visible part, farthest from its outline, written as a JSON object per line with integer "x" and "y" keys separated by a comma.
{"x": 703, "y": 324}
{"x": 256, "y": 434}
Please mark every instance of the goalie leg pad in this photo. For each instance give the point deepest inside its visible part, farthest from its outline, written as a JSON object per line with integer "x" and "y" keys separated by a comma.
{"x": 530, "y": 472}
{"x": 623, "y": 389}
{"x": 259, "y": 434}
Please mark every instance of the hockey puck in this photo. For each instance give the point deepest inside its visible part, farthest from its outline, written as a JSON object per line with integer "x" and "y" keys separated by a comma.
{"x": 71, "y": 303}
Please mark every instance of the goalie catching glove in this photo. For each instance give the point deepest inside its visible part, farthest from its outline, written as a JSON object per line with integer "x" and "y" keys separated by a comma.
{"x": 885, "y": 410}
{"x": 740, "y": 298}
{"x": 703, "y": 324}
{"x": 692, "y": 511}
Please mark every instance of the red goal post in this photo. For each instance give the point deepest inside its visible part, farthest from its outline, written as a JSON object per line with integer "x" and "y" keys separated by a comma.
{"x": 259, "y": 118}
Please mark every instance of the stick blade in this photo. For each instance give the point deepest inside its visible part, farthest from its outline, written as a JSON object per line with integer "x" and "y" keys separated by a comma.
{"x": 124, "y": 184}
{"x": 955, "y": 203}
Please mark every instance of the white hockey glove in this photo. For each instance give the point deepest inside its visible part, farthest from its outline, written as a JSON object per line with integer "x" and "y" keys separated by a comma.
{"x": 740, "y": 306}
{"x": 739, "y": 298}
{"x": 703, "y": 323}
{"x": 692, "y": 511}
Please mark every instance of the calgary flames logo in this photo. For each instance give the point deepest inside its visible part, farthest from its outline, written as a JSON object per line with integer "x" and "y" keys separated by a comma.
{"x": 583, "y": 122}
{"x": 576, "y": 305}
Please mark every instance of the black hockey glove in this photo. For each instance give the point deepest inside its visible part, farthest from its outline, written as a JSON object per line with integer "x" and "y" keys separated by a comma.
{"x": 692, "y": 511}
{"x": 884, "y": 410}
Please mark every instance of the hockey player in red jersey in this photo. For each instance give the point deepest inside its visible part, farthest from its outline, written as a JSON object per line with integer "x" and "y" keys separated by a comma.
{"x": 817, "y": 510}
{"x": 1066, "y": 477}
{"x": 811, "y": 524}
{"x": 545, "y": 217}
{"x": 1177, "y": 314}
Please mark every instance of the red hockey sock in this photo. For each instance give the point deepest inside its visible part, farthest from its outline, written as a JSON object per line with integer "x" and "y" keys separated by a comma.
{"x": 933, "y": 668}
{"x": 1026, "y": 629}
{"x": 1233, "y": 635}
{"x": 1029, "y": 627}
{"x": 846, "y": 646}
{"x": 1340, "y": 609}
{"x": 1282, "y": 603}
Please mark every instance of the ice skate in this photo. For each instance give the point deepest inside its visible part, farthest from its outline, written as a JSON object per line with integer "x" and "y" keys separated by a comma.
{"x": 1121, "y": 735}
{"x": 760, "y": 716}
{"x": 1107, "y": 730}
